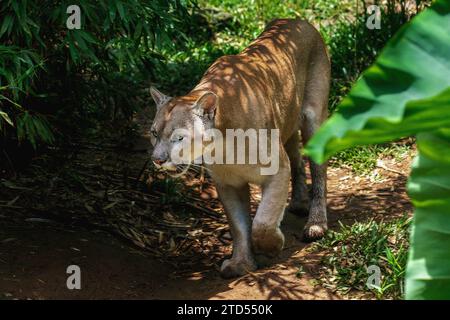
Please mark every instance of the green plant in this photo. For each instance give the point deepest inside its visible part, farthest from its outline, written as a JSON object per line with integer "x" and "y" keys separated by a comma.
{"x": 353, "y": 248}
{"x": 353, "y": 46}
{"x": 79, "y": 76}
{"x": 170, "y": 189}
{"x": 363, "y": 159}
{"x": 407, "y": 92}
{"x": 300, "y": 272}
{"x": 64, "y": 77}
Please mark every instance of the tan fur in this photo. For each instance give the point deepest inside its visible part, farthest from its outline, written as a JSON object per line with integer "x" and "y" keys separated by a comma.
{"x": 265, "y": 84}
{"x": 281, "y": 81}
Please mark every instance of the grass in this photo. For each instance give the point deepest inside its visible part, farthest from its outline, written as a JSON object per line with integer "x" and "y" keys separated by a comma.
{"x": 352, "y": 249}
{"x": 363, "y": 160}
{"x": 227, "y": 26}
{"x": 231, "y": 26}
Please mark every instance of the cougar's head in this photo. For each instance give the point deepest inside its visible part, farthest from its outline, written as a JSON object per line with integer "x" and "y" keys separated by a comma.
{"x": 177, "y": 122}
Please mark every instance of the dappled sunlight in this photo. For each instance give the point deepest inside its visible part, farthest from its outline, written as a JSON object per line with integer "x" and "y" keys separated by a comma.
{"x": 82, "y": 180}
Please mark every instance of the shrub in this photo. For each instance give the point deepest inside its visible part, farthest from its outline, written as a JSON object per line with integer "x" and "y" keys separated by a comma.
{"x": 79, "y": 76}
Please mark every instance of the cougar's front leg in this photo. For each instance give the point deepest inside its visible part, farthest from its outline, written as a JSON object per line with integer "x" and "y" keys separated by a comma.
{"x": 237, "y": 206}
{"x": 267, "y": 238}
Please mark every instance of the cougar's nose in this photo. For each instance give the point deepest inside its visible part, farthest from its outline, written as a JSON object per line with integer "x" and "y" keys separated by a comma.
{"x": 158, "y": 161}
{"x": 159, "y": 155}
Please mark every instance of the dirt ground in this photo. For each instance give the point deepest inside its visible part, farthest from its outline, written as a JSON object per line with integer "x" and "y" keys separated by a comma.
{"x": 134, "y": 237}
{"x": 34, "y": 258}
{"x": 35, "y": 252}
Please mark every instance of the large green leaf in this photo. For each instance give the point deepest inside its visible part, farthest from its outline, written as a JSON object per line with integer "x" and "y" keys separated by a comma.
{"x": 414, "y": 65}
{"x": 428, "y": 271}
{"x": 407, "y": 92}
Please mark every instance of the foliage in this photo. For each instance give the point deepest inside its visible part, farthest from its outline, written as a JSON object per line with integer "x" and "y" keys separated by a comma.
{"x": 407, "y": 92}
{"x": 353, "y": 248}
{"x": 79, "y": 76}
{"x": 428, "y": 272}
{"x": 352, "y": 46}
{"x": 68, "y": 80}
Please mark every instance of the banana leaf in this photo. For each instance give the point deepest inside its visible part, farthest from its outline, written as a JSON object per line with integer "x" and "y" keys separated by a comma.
{"x": 406, "y": 92}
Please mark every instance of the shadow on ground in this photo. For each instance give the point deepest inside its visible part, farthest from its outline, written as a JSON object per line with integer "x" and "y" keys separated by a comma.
{"x": 137, "y": 235}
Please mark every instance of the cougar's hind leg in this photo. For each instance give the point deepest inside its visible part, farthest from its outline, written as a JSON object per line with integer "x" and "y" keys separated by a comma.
{"x": 300, "y": 202}
{"x": 314, "y": 112}
{"x": 316, "y": 225}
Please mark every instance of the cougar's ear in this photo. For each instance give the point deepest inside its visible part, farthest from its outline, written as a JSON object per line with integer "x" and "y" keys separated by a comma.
{"x": 206, "y": 105}
{"x": 159, "y": 97}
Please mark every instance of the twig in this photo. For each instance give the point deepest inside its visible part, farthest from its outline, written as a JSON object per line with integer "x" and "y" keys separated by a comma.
{"x": 381, "y": 165}
{"x": 141, "y": 172}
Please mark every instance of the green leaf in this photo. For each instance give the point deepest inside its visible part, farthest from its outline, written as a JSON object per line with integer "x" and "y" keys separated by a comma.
{"x": 6, "y": 25}
{"x": 42, "y": 129}
{"x": 414, "y": 65}
{"x": 6, "y": 117}
{"x": 407, "y": 92}
{"x": 121, "y": 11}
{"x": 428, "y": 271}
{"x": 80, "y": 40}
{"x": 72, "y": 48}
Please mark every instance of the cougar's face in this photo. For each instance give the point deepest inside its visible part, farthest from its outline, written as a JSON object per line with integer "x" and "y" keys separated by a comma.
{"x": 173, "y": 131}
{"x": 178, "y": 123}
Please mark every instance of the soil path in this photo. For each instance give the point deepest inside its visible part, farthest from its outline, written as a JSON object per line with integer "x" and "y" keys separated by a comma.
{"x": 34, "y": 259}
{"x": 34, "y": 255}
{"x": 36, "y": 249}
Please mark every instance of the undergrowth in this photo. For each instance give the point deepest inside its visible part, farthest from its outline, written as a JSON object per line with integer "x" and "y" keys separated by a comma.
{"x": 349, "y": 251}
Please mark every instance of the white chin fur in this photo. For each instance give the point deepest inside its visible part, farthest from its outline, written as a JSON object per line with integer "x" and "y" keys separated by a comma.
{"x": 169, "y": 166}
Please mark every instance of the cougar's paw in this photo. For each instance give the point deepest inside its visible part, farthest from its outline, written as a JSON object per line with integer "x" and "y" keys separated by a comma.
{"x": 232, "y": 268}
{"x": 267, "y": 241}
{"x": 314, "y": 231}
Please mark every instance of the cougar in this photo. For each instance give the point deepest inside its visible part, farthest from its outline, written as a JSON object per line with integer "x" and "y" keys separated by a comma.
{"x": 279, "y": 82}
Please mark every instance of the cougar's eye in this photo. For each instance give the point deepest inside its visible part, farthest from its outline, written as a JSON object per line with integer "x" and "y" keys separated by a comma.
{"x": 154, "y": 133}
{"x": 176, "y": 138}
